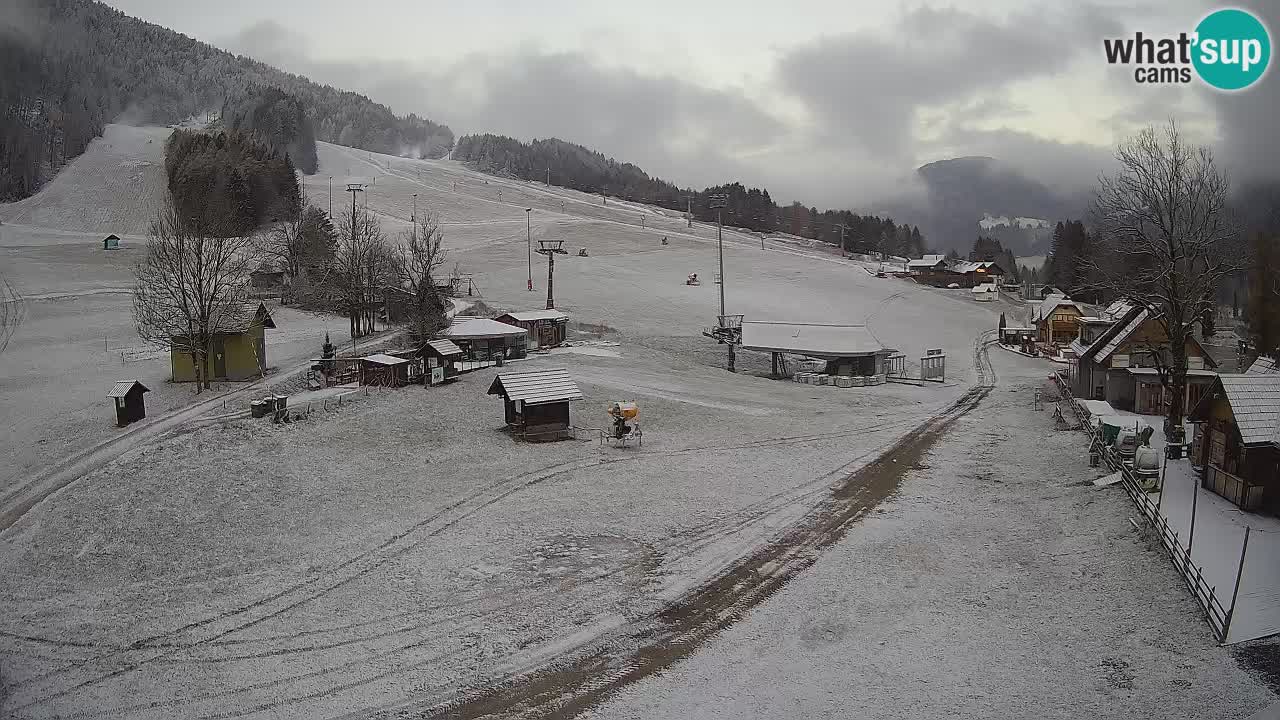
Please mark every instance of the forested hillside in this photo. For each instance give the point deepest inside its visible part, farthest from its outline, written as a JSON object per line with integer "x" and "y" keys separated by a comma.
{"x": 227, "y": 183}
{"x": 73, "y": 65}
{"x": 577, "y": 167}
{"x": 277, "y": 119}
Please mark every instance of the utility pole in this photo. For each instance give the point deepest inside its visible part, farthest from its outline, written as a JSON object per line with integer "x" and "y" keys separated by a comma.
{"x": 548, "y": 177}
{"x": 689, "y": 214}
{"x": 330, "y": 198}
{"x": 414, "y": 218}
{"x": 528, "y": 217}
{"x": 843, "y": 251}
{"x": 718, "y": 202}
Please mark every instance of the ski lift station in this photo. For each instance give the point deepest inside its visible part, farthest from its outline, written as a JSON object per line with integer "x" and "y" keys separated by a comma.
{"x": 849, "y": 350}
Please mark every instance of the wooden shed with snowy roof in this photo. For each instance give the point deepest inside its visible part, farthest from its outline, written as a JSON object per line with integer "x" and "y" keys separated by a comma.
{"x": 546, "y": 328}
{"x": 127, "y": 395}
{"x": 537, "y": 401}
{"x": 1236, "y": 443}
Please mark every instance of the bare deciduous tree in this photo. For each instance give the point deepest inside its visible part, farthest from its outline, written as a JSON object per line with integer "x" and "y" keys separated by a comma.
{"x": 302, "y": 247}
{"x": 12, "y": 311}
{"x": 189, "y": 287}
{"x": 419, "y": 257}
{"x": 363, "y": 267}
{"x": 1168, "y": 241}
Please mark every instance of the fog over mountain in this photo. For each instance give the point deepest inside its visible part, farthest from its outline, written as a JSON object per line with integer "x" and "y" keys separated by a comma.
{"x": 789, "y": 105}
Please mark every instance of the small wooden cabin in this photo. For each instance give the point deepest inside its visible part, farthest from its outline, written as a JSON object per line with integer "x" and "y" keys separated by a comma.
{"x": 127, "y": 395}
{"x": 537, "y": 401}
{"x": 440, "y": 355}
{"x": 547, "y": 328}
{"x": 385, "y": 370}
{"x": 111, "y": 242}
{"x": 238, "y": 348}
{"x": 1236, "y": 443}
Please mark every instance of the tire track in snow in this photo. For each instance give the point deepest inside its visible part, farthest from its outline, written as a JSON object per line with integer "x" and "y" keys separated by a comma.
{"x": 573, "y": 683}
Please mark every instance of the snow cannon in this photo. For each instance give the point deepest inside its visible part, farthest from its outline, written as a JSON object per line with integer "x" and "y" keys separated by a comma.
{"x": 693, "y": 279}
{"x": 1146, "y": 466}
{"x": 622, "y": 412}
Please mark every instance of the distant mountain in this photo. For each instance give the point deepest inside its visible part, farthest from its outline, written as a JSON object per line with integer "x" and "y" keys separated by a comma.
{"x": 68, "y": 67}
{"x": 969, "y": 196}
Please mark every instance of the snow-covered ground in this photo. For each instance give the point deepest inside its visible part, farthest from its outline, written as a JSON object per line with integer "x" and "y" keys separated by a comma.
{"x": 402, "y": 551}
{"x": 995, "y": 584}
{"x": 1216, "y": 546}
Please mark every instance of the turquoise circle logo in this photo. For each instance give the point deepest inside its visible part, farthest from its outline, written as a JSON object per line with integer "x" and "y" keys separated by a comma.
{"x": 1232, "y": 50}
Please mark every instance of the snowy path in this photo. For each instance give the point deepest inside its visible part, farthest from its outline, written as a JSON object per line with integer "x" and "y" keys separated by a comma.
{"x": 993, "y": 583}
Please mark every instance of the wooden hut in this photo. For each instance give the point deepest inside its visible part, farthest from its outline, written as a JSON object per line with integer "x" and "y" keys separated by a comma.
{"x": 238, "y": 349}
{"x": 385, "y": 370}
{"x": 1237, "y": 440}
{"x": 127, "y": 395}
{"x": 537, "y": 401}
{"x": 547, "y": 328}
{"x": 111, "y": 242}
{"x": 441, "y": 356}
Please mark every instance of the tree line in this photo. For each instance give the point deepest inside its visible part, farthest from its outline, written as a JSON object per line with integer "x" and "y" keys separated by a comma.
{"x": 573, "y": 166}
{"x": 277, "y": 119}
{"x": 228, "y": 183}
{"x": 75, "y": 65}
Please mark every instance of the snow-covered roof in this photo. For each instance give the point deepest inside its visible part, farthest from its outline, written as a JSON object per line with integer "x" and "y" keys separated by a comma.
{"x": 927, "y": 261}
{"x": 1051, "y": 303}
{"x": 1255, "y": 403}
{"x": 1263, "y": 366}
{"x": 245, "y": 316}
{"x": 813, "y": 339}
{"x": 482, "y": 328}
{"x": 1079, "y": 348}
{"x": 1114, "y": 338}
{"x": 384, "y": 359}
{"x": 984, "y": 288}
{"x": 1116, "y": 310}
{"x": 122, "y": 388}
{"x": 533, "y": 315}
{"x": 535, "y": 387}
{"x": 444, "y": 347}
{"x": 967, "y": 266}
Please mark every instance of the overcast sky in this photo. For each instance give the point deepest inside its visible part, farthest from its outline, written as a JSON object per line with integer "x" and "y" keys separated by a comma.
{"x": 834, "y": 103}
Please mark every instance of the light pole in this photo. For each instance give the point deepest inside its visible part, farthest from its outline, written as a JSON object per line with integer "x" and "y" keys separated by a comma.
{"x": 354, "y": 188}
{"x": 528, "y": 226}
{"x": 842, "y": 248}
{"x": 414, "y": 217}
{"x": 330, "y": 198}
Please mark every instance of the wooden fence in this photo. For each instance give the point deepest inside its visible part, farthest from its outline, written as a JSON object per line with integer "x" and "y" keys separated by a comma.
{"x": 1218, "y": 617}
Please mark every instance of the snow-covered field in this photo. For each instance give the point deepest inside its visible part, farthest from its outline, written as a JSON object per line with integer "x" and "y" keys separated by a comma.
{"x": 403, "y": 553}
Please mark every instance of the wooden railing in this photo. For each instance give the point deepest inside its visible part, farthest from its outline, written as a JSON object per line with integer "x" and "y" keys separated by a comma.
{"x": 1219, "y": 618}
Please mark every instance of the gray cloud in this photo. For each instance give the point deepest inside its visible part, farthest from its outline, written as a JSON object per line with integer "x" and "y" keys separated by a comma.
{"x": 1247, "y": 119}
{"x": 867, "y": 87}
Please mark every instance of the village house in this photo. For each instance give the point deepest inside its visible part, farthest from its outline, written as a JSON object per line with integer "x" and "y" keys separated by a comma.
{"x": 1057, "y": 320}
{"x": 1119, "y": 364}
{"x": 547, "y": 328}
{"x": 238, "y": 349}
{"x": 1236, "y": 442}
{"x": 939, "y": 271}
{"x": 536, "y": 402}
